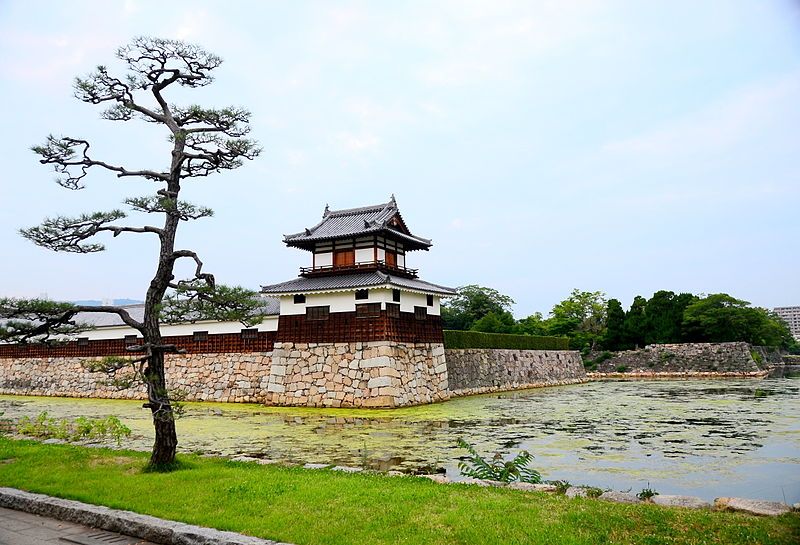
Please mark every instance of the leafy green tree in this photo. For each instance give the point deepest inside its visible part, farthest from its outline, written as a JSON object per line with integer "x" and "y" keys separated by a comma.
{"x": 495, "y": 323}
{"x": 614, "y": 338}
{"x": 664, "y": 317}
{"x": 473, "y": 303}
{"x": 581, "y": 317}
{"x": 535, "y": 324}
{"x": 722, "y": 318}
{"x": 636, "y": 323}
{"x": 203, "y": 142}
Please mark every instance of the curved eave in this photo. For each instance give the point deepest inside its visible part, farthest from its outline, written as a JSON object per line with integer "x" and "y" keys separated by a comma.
{"x": 443, "y": 294}
{"x": 410, "y": 243}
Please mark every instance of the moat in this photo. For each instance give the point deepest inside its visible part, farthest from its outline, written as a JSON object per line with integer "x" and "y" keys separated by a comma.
{"x": 701, "y": 437}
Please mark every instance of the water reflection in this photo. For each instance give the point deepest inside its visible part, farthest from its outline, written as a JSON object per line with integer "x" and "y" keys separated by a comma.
{"x": 705, "y": 437}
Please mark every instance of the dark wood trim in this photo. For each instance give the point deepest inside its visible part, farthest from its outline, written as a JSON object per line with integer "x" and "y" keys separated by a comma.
{"x": 347, "y": 327}
{"x": 216, "y": 343}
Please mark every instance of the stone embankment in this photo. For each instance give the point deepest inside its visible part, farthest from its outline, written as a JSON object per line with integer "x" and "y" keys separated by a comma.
{"x": 734, "y": 359}
{"x": 480, "y": 370}
{"x": 369, "y": 374}
{"x": 358, "y": 374}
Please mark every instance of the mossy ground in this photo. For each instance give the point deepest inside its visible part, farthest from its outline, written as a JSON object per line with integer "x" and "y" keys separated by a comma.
{"x": 302, "y": 506}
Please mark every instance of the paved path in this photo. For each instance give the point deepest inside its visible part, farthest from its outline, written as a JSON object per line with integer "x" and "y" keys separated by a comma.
{"x": 19, "y": 528}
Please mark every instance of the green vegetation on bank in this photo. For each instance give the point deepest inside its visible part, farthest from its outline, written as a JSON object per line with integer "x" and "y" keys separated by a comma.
{"x": 309, "y": 507}
{"x": 476, "y": 339}
{"x": 591, "y": 322}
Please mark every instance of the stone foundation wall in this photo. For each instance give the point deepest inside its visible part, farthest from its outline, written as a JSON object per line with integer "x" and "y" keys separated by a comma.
{"x": 479, "y": 370}
{"x": 359, "y": 374}
{"x": 734, "y": 358}
{"x": 228, "y": 377}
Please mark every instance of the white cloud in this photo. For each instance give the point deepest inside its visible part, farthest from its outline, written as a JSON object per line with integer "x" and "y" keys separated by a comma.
{"x": 719, "y": 125}
{"x": 358, "y": 143}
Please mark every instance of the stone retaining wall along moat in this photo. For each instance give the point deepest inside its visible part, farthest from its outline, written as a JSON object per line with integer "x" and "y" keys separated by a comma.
{"x": 369, "y": 374}
{"x": 689, "y": 359}
{"x": 479, "y": 370}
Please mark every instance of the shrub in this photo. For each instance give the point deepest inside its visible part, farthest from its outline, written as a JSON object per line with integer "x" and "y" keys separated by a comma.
{"x": 647, "y": 493}
{"x": 622, "y": 368}
{"x": 561, "y": 486}
{"x": 756, "y": 357}
{"x": 604, "y": 355}
{"x": 498, "y": 469}
{"x": 46, "y": 427}
{"x": 476, "y": 339}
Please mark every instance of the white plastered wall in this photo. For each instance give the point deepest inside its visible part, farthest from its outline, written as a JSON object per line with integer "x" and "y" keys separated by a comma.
{"x": 345, "y": 301}
{"x": 323, "y": 259}
{"x": 270, "y": 323}
{"x": 365, "y": 255}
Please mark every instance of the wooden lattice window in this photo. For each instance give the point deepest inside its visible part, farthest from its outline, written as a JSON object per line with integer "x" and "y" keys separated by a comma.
{"x": 429, "y": 300}
{"x": 361, "y": 295}
{"x": 200, "y": 336}
{"x": 368, "y": 310}
{"x": 396, "y": 296}
{"x": 130, "y": 339}
{"x": 83, "y": 341}
{"x": 318, "y": 313}
{"x": 420, "y": 313}
{"x": 392, "y": 310}
{"x": 249, "y": 334}
{"x": 299, "y": 299}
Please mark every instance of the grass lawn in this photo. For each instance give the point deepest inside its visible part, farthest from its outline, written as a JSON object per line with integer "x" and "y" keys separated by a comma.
{"x": 324, "y": 507}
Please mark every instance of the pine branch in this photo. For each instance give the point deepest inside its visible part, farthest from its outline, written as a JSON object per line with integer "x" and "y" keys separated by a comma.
{"x": 63, "y": 154}
{"x": 64, "y": 234}
{"x": 40, "y": 320}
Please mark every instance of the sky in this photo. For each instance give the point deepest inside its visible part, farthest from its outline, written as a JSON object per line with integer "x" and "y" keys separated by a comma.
{"x": 619, "y": 146}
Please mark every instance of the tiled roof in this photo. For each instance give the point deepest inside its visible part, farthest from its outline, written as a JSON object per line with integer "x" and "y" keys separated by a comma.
{"x": 271, "y": 307}
{"x": 351, "y": 281}
{"x": 351, "y": 222}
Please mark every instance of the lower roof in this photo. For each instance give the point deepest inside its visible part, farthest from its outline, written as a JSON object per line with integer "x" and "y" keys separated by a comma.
{"x": 373, "y": 279}
{"x": 270, "y": 307}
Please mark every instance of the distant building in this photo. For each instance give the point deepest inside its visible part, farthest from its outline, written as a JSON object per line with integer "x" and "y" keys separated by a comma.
{"x": 790, "y": 315}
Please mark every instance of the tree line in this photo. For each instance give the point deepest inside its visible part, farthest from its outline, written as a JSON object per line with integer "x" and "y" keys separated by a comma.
{"x": 591, "y": 321}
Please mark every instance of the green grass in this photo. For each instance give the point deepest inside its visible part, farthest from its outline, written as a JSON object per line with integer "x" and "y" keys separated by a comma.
{"x": 314, "y": 507}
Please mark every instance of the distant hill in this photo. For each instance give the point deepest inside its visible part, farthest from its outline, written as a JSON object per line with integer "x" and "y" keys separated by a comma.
{"x": 115, "y": 302}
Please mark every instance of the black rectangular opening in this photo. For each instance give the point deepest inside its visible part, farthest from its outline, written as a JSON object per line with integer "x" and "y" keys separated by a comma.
{"x": 392, "y": 310}
{"x": 368, "y": 310}
{"x": 318, "y": 313}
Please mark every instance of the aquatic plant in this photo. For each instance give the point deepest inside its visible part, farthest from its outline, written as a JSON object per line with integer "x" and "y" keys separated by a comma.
{"x": 561, "y": 486}
{"x": 497, "y": 468}
{"x": 593, "y": 491}
{"x": 46, "y": 427}
{"x": 647, "y": 493}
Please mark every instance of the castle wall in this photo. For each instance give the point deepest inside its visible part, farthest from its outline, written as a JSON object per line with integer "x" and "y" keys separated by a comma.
{"x": 225, "y": 377}
{"x": 357, "y": 374}
{"x": 731, "y": 358}
{"x": 377, "y": 374}
{"x": 479, "y": 370}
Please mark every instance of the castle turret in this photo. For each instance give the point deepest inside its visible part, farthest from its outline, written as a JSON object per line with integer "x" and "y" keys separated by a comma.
{"x": 359, "y": 321}
{"x": 359, "y": 286}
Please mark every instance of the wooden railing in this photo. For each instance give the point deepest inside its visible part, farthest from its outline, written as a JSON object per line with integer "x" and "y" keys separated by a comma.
{"x": 356, "y": 267}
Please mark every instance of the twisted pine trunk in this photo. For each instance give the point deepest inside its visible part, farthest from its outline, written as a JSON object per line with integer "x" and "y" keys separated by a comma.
{"x": 166, "y": 437}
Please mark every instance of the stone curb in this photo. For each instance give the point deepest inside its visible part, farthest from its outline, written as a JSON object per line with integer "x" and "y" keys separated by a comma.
{"x": 125, "y": 522}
